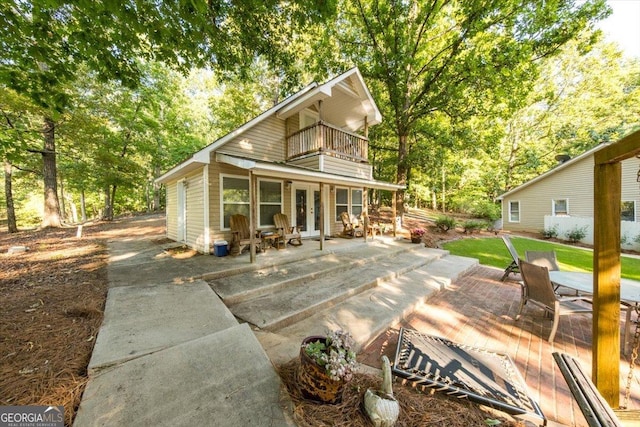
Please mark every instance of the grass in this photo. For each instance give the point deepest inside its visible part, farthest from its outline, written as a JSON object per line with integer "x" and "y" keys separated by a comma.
{"x": 491, "y": 251}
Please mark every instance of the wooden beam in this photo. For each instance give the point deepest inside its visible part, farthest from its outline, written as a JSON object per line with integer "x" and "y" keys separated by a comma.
{"x": 627, "y": 147}
{"x": 253, "y": 217}
{"x": 394, "y": 212}
{"x": 606, "y": 281}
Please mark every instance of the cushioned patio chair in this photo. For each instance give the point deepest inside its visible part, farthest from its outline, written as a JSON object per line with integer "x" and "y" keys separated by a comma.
{"x": 241, "y": 235}
{"x": 513, "y": 266}
{"x": 286, "y": 231}
{"x": 538, "y": 289}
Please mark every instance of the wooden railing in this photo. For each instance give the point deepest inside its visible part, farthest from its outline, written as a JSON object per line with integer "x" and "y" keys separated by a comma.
{"x": 324, "y": 138}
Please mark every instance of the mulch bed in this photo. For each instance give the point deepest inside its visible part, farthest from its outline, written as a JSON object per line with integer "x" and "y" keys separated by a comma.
{"x": 417, "y": 409}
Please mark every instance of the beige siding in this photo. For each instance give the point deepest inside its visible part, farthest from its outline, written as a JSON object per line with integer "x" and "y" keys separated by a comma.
{"x": 347, "y": 168}
{"x": 172, "y": 210}
{"x": 194, "y": 215}
{"x": 311, "y": 162}
{"x": 574, "y": 183}
{"x": 265, "y": 141}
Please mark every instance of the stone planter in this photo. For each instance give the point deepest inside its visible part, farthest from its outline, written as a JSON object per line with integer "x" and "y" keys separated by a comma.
{"x": 313, "y": 381}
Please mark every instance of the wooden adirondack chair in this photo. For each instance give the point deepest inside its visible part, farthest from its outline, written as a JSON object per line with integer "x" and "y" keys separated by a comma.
{"x": 286, "y": 231}
{"x": 349, "y": 228}
{"x": 241, "y": 235}
{"x": 370, "y": 229}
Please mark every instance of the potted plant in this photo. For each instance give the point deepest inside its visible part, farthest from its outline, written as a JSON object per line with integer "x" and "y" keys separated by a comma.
{"x": 326, "y": 365}
{"x": 416, "y": 234}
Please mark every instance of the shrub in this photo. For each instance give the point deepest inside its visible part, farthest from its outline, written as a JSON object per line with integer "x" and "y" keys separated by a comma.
{"x": 445, "y": 223}
{"x": 576, "y": 234}
{"x": 551, "y": 232}
{"x": 486, "y": 209}
{"x": 472, "y": 225}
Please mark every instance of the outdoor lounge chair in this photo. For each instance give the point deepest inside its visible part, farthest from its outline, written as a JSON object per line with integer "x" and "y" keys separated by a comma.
{"x": 349, "y": 229}
{"x": 370, "y": 229}
{"x": 241, "y": 235}
{"x": 538, "y": 289}
{"x": 513, "y": 267}
{"x": 286, "y": 231}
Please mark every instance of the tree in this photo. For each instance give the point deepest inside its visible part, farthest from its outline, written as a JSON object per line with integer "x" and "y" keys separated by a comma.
{"x": 47, "y": 41}
{"x": 456, "y": 58}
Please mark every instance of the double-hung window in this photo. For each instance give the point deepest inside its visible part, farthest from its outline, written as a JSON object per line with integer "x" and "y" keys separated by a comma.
{"x": 270, "y": 201}
{"x": 514, "y": 211}
{"x": 628, "y": 211}
{"x": 235, "y": 197}
{"x": 561, "y": 207}
{"x": 348, "y": 200}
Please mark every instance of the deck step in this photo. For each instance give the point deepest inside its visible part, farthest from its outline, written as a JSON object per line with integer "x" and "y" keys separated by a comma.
{"x": 290, "y": 304}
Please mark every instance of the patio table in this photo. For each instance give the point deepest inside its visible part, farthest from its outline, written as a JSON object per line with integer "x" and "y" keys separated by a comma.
{"x": 583, "y": 283}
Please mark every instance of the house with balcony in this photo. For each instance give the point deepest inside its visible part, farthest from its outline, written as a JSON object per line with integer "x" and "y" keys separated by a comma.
{"x": 306, "y": 157}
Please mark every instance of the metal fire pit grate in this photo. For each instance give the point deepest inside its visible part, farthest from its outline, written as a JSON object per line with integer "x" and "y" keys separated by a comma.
{"x": 462, "y": 371}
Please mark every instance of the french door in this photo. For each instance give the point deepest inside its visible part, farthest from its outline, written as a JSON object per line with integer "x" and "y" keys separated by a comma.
{"x": 305, "y": 203}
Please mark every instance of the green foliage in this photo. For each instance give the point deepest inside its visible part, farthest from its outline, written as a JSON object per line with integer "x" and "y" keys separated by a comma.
{"x": 472, "y": 226}
{"x": 550, "y": 232}
{"x": 486, "y": 209}
{"x": 445, "y": 223}
{"x": 576, "y": 234}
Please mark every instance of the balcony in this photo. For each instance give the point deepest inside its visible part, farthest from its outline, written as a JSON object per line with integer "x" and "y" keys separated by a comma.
{"x": 322, "y": 138}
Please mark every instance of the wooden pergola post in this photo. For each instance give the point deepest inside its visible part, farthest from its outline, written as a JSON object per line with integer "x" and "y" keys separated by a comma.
{"x": 394, "y": 212}
{"x": 606, "y": 265}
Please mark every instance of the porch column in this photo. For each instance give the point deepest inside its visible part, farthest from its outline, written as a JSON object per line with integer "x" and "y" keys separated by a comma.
{"x": 365, "y": 210}
{"x": 321, "y": 216}
{"x": 253, "y": 217}
{"x": 606, "y": 281}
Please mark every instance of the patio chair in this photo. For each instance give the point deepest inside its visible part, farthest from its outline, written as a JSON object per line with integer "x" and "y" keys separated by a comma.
{"x": 370, "y": 229}
{"x": 538, "y": 289}
{"x": 544, "y": 258}
{"x": 349, "y": 228}
{"x": 286, "y": 231}
{"x": 241, "y": 235}
{"x": 513, "y": 267}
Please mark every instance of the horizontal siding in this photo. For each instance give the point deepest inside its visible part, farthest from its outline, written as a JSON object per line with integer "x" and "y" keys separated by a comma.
{"x": 264, "y": 141}
{"x": 195, "y": 211}
{"x": 172, "y": 210}
{"x": 311, "y": 162}
{"x": 574, "y": 183}
{"x": 347, "y": 168}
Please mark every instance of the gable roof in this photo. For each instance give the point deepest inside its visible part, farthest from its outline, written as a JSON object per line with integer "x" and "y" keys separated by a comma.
{"x": 556, "y": 169}
{"x": 308, "y": 95}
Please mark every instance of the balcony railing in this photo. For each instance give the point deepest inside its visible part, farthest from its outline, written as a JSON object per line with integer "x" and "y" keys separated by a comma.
{"x": 324, "y": 138}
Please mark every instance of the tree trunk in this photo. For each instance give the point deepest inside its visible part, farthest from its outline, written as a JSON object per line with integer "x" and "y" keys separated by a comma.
{"x": 83, "y": 206}
{"x": 51, "y": 217}
{"x": 403, "y": 171}
{"x": 12, "y": 227}
{"x": 107, "y": 215}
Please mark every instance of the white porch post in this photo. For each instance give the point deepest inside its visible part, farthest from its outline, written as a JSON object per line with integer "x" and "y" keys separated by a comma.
{"x": 253, "y": 218}
{"x": 322, "y": 216}
{"x": 205, "y": 204}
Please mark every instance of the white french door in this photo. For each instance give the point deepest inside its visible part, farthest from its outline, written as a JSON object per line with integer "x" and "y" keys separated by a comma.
{"x": 305, "y": 205}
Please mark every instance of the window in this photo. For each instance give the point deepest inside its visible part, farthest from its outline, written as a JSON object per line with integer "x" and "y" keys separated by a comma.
{"x": 561, "y": 207}
{"x": 628, "y": 211}
{"x": 514, "y": 211}
{"x": 235, "y": 197}
{"x": 342, "y": 201}
{"x": 270, "y": 201}
{"x": 356, "y": 202}
{"x": 348, "y": 201}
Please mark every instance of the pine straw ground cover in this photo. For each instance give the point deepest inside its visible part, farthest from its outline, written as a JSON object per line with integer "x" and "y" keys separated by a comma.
{"x": 417, "y": 409}
{"x": 53, "y": 297}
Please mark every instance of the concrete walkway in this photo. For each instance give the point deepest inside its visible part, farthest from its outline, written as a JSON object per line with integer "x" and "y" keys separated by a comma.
{"x": 169, "y": 352}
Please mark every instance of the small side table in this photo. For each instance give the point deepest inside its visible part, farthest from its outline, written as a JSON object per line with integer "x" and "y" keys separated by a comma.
{"x": 271, "y": 240}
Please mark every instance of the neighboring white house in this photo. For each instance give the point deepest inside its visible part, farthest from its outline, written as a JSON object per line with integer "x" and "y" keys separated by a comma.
{"x": 563, "y": 197}
{"x": 279, "y": 162}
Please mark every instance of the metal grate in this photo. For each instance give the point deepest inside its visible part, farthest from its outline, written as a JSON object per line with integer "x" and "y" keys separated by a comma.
{"x": 462, "y": 371}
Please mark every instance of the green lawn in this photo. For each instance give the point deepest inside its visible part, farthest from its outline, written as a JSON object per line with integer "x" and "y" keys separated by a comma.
{"x": 491, "y": 251}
